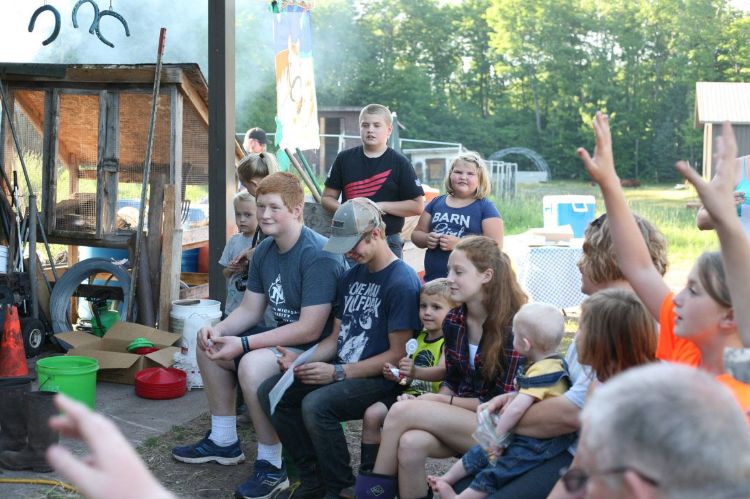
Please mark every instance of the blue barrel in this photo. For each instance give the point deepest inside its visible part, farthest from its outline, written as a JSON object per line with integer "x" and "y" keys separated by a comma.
{"x": 190, "y": 260}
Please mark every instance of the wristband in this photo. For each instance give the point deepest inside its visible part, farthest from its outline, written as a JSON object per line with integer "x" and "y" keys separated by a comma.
{"x": 245, "y": 344}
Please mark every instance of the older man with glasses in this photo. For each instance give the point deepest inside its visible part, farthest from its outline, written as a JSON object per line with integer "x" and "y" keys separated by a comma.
{"x": 661, "y": 431}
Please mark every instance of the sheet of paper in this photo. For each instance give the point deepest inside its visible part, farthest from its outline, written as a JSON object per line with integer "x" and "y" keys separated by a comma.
{"x": 288, "y": 378}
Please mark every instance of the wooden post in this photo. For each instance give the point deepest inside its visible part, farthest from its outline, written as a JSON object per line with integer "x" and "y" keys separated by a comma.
{"x": 107, "y": 164}
{"x": 221, "y": 141}
{"x": 153, "y": 240}
{"x": 49, "y": 155}
{"x": 175, "y": 156}
{"x": 171, "y": 259}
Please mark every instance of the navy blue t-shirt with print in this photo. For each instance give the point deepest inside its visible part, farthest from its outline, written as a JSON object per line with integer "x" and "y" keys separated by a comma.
{"x": 457, "y": 222}
{"x": 373, "y": 304}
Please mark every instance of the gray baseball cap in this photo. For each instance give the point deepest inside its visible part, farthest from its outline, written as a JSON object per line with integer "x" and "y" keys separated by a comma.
{"x": 351, "y": 222}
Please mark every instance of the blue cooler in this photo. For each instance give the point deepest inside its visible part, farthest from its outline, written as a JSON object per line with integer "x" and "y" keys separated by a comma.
{"x": 574, "y": 210}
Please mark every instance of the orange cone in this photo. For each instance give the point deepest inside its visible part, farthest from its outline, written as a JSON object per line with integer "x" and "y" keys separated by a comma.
{"x": 12, "y": 354}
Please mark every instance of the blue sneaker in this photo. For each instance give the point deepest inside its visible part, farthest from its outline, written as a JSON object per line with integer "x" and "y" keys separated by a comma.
{"x": 206, "y": 451}
{"x": 266, "y": 483}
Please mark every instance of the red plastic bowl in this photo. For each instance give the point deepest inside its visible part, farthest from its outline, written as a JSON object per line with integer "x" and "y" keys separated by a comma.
{"x": 145, "y": 350}
{"x": 159, "y": 383}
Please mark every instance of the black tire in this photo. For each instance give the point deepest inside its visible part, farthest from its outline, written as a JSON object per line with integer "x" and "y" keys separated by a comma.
{"x": 59, "y": 300}
{"x": 34, "y": 334}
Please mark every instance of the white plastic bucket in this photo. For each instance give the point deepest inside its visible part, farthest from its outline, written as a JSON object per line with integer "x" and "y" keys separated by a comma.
{"x": 187, "y": 316}
{"x": 3, "y": 259}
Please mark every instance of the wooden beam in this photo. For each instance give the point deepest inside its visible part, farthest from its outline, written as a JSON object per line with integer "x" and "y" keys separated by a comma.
{"x": 171, "y": 256}
{"x": 153, "y": 240}
{"x": 221, "y": 147}
{"x": 49, "y": 155}
{"x": 107, "y": 168}
{"x": 121, "y": 74}
{"x": 175, "y": 156}
{"x": 186, "y": 87}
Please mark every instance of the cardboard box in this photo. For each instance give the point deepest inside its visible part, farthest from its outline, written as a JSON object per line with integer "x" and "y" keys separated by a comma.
{"x": 116, "y": 364}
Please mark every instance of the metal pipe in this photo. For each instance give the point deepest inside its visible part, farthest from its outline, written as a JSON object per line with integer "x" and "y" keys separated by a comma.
{"x": 146, "y": 169}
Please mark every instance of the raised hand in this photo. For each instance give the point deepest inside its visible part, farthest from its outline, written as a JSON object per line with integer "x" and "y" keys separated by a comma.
{"x": 601, "y": 166}
{"x": 718, "y": 195}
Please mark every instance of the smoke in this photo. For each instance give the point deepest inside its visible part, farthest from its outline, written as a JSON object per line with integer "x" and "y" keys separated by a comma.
{"x": 187, "y": 37}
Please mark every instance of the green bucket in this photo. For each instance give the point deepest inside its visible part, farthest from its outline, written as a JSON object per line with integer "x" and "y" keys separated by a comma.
{"x": 69, "y": 374}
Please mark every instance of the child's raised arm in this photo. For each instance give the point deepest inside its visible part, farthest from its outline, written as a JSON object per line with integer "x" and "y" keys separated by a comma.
{"x": 632, "y": 253}
{"x": 718, "y": 200}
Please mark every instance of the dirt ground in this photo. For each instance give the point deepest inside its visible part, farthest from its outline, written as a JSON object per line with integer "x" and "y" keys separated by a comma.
{"x": 215, "y": 480}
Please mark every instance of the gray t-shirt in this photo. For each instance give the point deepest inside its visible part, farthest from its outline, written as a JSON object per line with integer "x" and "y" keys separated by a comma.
{"x": 303, "y": 276}
{"x": 237, "y": 244}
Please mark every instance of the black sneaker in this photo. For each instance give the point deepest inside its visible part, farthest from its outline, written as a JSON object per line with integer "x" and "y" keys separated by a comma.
{"x": 309, "y": 490}
{"x": 206, "y": 451}
{"x": 266, "y": 483}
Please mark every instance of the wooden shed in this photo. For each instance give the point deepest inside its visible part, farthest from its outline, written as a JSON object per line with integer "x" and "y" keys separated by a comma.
{"x": 83, "y": 133}
{"x": 715, "y": 103}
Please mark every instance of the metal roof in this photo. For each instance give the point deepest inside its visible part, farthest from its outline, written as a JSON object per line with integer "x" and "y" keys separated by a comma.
{"x": 716, "y": 102}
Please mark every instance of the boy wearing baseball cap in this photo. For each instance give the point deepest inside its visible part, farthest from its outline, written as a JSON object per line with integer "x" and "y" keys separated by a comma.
{"x": 376, "y": 314}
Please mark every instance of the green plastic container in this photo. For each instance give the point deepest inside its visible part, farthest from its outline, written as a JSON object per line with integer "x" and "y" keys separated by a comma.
{"x": 69, "y": 374}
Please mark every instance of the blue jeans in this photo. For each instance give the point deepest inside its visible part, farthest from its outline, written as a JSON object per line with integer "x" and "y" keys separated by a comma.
{"x": 308, "y": 420}
{"x": 523, "y": 454}
{"x": 533, "y": 484}
{"x": 396, "y": 244}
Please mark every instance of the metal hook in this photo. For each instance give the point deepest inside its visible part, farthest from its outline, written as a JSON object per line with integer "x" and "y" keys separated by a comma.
{"x": 78, "y": 4}
{"x": 116, "y": 16}
{"x": 56, "y": 31}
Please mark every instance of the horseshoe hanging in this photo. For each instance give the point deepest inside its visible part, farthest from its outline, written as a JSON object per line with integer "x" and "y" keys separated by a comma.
{"x": 78, "y": 4}
{"x": 56, "y": 31}
{"x": 116, "y": 16}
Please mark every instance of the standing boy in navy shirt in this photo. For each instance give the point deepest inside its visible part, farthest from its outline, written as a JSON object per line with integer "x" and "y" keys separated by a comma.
{"x": 378, "y": 172}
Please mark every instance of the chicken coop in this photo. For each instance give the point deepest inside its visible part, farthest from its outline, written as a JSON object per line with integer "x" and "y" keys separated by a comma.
{"x": 83, "y": 133}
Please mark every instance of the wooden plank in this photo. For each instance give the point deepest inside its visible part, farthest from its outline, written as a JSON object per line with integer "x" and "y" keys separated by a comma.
{"x": 121, "y": 74}
{"x": 153, "y": 240}
{"x": 194, "y": 238}
{"x": 144, "y": 297}
{"x": 194, "y": 292}
{"x": 171, "y": 241}
{"x": 42, "y": 295}
{"x": 85, "y": 239}
{"x": 194, "y": 278}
